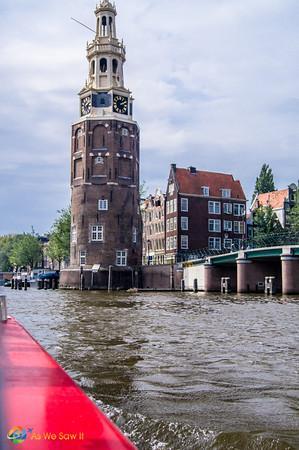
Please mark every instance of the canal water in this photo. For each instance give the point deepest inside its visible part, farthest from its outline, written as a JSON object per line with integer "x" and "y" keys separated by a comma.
{"x": 178, "y": 371}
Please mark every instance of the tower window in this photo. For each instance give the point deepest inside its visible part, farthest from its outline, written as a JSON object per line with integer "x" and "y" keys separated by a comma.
{"x": 93, "y": 67}
{"x": 104, "y": 25}
{"x": 114, "y": 65}
{"x": 97, "y": 234}
{"x": 103, "y": 65}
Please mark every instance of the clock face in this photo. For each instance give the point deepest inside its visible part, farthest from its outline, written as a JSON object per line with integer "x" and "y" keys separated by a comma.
{"x": 120, "y": 104}
{"x": 86, "y": 105}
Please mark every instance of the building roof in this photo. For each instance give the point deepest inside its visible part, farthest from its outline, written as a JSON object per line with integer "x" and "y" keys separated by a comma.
{"x": 274, "y": 199}
{"x": 191, "y": 182}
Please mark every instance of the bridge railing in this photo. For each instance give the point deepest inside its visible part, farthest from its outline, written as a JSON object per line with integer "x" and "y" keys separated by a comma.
{"x": 270, "y": 240}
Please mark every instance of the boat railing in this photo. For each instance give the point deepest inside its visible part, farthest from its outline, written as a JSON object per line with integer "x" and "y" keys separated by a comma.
{"x": 3, "y": 309}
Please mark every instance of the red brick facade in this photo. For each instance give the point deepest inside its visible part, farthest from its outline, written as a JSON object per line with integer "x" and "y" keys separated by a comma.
{"x": 203, "y": 210}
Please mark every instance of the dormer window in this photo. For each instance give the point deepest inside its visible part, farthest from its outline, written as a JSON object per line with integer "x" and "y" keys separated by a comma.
{"x": 225, "y": 193}
{"x": 205, "y": 190}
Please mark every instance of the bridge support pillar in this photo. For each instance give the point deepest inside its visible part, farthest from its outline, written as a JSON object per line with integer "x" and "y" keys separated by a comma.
{"x": 211, "y": 278}
{"x": 244, "y": 274}
{"x": 290, "y": 274}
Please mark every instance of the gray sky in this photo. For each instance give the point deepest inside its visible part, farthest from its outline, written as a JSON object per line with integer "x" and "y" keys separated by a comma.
{"x": 215, "y": 85}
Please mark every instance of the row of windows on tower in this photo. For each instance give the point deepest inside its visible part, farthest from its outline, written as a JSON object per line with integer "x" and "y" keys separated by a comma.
{"x": 104, "y": 66}
{"x": 105, "y": 25}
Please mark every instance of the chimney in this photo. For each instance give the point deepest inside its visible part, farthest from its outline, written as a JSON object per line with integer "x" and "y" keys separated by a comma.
{"x": 192, "y": 169}
{"x": 173, "y": 166}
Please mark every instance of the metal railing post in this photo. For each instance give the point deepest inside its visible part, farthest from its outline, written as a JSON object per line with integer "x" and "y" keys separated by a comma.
{"x": 3, "y": 309}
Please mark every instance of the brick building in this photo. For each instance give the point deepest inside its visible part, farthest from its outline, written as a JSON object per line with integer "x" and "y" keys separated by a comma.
{"x": 106, "y": 223}
{"x": 153, "y": 220}
{"x": 281, "y": 201}
{"x": 203, "y": 210}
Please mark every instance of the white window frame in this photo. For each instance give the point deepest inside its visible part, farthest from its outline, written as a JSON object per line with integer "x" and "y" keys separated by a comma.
{"x": 121, "y": 258}
{"x": 212, "y": 243}
{"x": 238, "y": 208}
{"x": 184, "y": 204}
{"x": 184, "y": 223}
{"x": 227, "y": 208}
{"x": 82, "y": 257}
{"x": 229, "y": 242}
{"x": 215, "y": 225}
{"x": 103, "y": 205}
{"x": 214, "y": 207}
{"x": 226, "y": 193}
{"x": 96, "y": 233}
{"x": 171, "y": 188}
{"x": 239, "y": 227}
{"x": 205, "y": 190}
{"x": 227, "y": 225}
{"x": 184, "y": 242}
{"x": 174, "y": 242}
{"x": 174, "y": 205}
{"x": 167, "y": 243}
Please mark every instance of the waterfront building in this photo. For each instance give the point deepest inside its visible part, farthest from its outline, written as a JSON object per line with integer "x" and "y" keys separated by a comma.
{"x": 106, "y": 223}
{"x": 203, "y": 210}
{"x": 281, "y": 201}
{"x": 153, "y": 223}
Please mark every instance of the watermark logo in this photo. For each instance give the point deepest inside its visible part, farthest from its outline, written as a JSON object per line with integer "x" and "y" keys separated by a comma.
{"x": 17, "y": 435}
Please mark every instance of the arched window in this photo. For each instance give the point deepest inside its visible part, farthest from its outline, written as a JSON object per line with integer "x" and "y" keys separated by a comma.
{"x": 110, "y": 24}
{"x": 104, "y": 26}
{"x": 103, "y": 65}
{"x": 79, "y": 139}
{"x": 114, "y": 65}
{"x": 104, "y": 21}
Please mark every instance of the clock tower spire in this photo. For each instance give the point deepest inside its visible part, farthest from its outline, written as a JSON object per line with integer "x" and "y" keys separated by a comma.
{"x": 104, "y": 92}
{"x": 106, "y": 225}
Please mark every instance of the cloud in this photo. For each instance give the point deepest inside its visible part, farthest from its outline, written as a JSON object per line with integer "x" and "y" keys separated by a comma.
{"x": 216, "y": 86}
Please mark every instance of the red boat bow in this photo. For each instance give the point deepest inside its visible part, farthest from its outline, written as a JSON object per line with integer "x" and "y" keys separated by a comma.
{"x": 41, "y": 406}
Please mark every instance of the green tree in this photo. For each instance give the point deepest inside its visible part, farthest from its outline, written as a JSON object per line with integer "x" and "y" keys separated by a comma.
{"x": 59, "y": 242}
{"x": 264, "y": 182}
{"x": 6, "y": 247}
{"x": 265, "y": 222}
{"x": 293, "y": 218}
{"x": 26, "y": 251}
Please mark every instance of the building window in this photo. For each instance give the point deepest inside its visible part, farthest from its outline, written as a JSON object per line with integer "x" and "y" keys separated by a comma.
{"x": 184, "y": 243}
{"x": 103, "y": 65}
{"x": 184, "y": 204}
{"x": 237, "y": 244}
{"x": 215, "y": 225}
{"x": 114, "y": 64}
{"x": 214, "y": 208}
{"x": 174, "y": 223}
{"x": 184, "y": 223}
{"x": 205, "y": 190}
{"x": 226, "y": 193}
{"x": 167, "y": 207}
{"x": 227, "y": 243}
{"x": 167, "y": 225}
{"x": 134, "y": 238}
{"x": 227, "y": 208}
{"x": 174, "y": 205}
{"x": 125, "y": 132}
{"x": 74, "y": 234}
{"x": 239, "y": 209}
{"x": 214, "y": 243}
{"x": 121, "y": 257}
{"x": 82, "y": 257}
{"x": 239, "y": 227}
{"x": 97, "y": 233}
{"x": 171, "y": 189}
{"x": 167, "y": 243}
{"x": 103, "y": 205}
{"x": 174, "y": 243}
{"x": 227, "y": 225}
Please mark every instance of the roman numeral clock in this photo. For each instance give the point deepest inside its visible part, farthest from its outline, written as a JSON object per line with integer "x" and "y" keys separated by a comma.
{"x": 106, "y": 225}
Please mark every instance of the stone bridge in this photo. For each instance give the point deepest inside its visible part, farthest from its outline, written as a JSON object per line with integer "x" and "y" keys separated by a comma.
{"x": 246, "y": 270}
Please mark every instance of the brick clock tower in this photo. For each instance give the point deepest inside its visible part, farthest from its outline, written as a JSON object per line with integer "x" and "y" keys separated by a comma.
{"x": 106, "y": 223}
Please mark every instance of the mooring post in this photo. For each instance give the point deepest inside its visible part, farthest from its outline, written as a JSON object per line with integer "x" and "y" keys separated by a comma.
{"x": 109, "y": 278}
{"x": 25, "y": 284}
{"x": 195, "y": 285}
{"x": 3, "y": 309}
{"x": 182, "y": 285}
